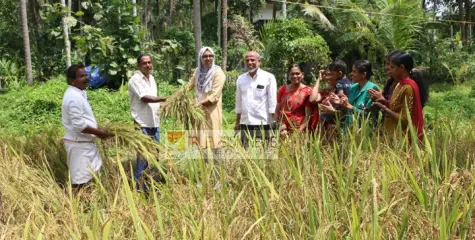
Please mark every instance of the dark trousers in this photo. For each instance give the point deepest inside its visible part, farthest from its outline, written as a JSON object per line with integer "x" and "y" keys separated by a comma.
{"x": 249, "y": 132}
{"x": 142, "y": 163}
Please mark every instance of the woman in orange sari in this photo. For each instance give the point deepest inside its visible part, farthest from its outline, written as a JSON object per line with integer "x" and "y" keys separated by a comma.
{"x": 294, "y": 110}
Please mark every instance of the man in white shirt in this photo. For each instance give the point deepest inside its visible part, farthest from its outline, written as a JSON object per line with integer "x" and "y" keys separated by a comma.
{"x": 144, "y": 106}
{"x": 256, "y": 99}
{"x": 78, "y": 120}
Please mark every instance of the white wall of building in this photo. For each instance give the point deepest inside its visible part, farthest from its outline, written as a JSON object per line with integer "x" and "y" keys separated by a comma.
{"x": 265, "y": 13}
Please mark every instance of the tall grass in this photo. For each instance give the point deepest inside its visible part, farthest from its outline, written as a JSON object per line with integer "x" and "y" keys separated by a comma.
{"x": 365, "y": 187}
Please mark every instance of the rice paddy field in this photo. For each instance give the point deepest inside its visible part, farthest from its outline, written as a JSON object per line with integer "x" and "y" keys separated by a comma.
{"x": 365, "y": 186}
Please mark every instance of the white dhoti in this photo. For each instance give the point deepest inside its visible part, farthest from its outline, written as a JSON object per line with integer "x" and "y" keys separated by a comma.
{"x": 83, "y": 160}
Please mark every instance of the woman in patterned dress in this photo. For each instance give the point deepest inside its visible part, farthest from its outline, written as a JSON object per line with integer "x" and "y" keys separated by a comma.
{"x": 408, "y": 97}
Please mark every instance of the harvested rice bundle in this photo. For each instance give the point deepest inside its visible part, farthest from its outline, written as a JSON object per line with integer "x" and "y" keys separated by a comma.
{"x": 129, "y": 137}
{"x": 181, "y": 106}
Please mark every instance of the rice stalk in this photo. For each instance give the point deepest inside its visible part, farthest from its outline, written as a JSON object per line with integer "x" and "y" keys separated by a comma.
{"x": 382, "y": 193}
{"x": 126, "y": 136}
{"x": 181, "y": 106}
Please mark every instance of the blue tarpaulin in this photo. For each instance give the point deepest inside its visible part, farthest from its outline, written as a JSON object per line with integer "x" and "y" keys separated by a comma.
{"x": 95, "y": 79}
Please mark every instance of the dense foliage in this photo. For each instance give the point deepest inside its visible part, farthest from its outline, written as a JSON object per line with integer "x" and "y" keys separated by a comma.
{"x": 106, "y": 33}
{"x": 292, "y": 41}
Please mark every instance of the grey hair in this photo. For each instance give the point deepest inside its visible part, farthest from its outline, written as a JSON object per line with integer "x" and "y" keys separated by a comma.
{"x": 258, "y": 56}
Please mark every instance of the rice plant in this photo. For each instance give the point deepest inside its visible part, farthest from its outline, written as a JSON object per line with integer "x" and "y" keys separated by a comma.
{"x": 181, "y": 106}
{"x": 361, "y": 187}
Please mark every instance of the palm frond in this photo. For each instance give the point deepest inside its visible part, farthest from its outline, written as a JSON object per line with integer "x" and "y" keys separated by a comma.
{"x": 318, "y": 15}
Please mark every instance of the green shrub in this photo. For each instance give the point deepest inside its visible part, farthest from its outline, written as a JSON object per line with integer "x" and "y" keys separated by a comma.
{"x": 9, "y": 74}
{"x": 291, "y": 41}
{"x": 236, "y": 54}
{"x": 312, "y": 50}
{"x": 28, "y": 109}
{"x": 173, "y": 58}
{"x": 229, "y": 90}
{"x": 472, "y": 92}
{"x": 450, "y": 64}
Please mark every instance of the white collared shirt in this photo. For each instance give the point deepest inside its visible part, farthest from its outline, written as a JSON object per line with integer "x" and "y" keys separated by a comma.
{"x": 76, "y": 115}
{"x": 256, "y": 98}
{"x": 145, "y": 114}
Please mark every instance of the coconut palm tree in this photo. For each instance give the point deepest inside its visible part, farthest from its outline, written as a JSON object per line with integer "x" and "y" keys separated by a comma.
{"x": 371, "y": 27}
{"x": 170, "y": 14}
{"x": 224, "y": 41}
{"x": 26, "y": 42}
{"x": 67, "y": 44}
{"x": 197, "y": 25}
{"x": 134, "y": 8}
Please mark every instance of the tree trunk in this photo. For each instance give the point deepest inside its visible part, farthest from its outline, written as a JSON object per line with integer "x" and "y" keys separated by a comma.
{"x": 146, "y": 17}
{"x": 67, "y": 44}
{"x": 284, "y": 9}
{"x": 274, "y": 11}
{"x": 462, "y": 26}
{"x": 26, "y": 42}
{"x": 70, "y": 9}
{"x": 224, "y": 40}
{"x": 251, "y": 14}
{"x": 134, "y": 10}
{"x": 40, "y": 67}
{"x": 80, "y": 19}
{"x": 468, "y": 9}
{"x": 220, "y": 20}
{"x": 197, "y": 25}
{"x": 171, "y": 12}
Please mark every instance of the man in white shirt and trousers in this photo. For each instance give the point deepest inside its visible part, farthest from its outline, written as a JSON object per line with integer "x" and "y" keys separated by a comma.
{"x": 144, "y": 107}
{"x": 256, "y": 99}
{"x": 81, "y": 127}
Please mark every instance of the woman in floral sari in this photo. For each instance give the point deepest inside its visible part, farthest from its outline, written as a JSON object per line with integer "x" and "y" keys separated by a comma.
{"x": 294, "y": 110}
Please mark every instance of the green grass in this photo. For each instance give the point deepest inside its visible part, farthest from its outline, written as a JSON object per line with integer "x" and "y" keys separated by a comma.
{"x": 447, "y": 101}
{"x": 27, "y": 109}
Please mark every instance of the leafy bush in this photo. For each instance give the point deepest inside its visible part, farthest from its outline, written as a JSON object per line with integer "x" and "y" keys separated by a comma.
{"x": 25, "y": 109}
{"x": 450, "y": 63}
{"x": 236, "y": 54}
{"x": 312, "y": 50}
{"x": 244, "y": 34}
{"x": 291, "y": 41}
{"x": 115, "y": 40}
{"x": 209, "y": 28}
{"x": 229, "y": 90}
{"x": 9, "y": 74}
{"x": 472, "y": 92}
{"x": 176, "y": 55}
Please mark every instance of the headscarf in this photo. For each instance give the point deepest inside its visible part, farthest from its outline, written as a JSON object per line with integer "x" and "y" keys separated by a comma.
{"x": 204, "y": 76}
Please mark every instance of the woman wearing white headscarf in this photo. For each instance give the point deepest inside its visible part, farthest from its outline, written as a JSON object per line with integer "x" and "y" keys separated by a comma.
{"x": 208, "y": 81}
